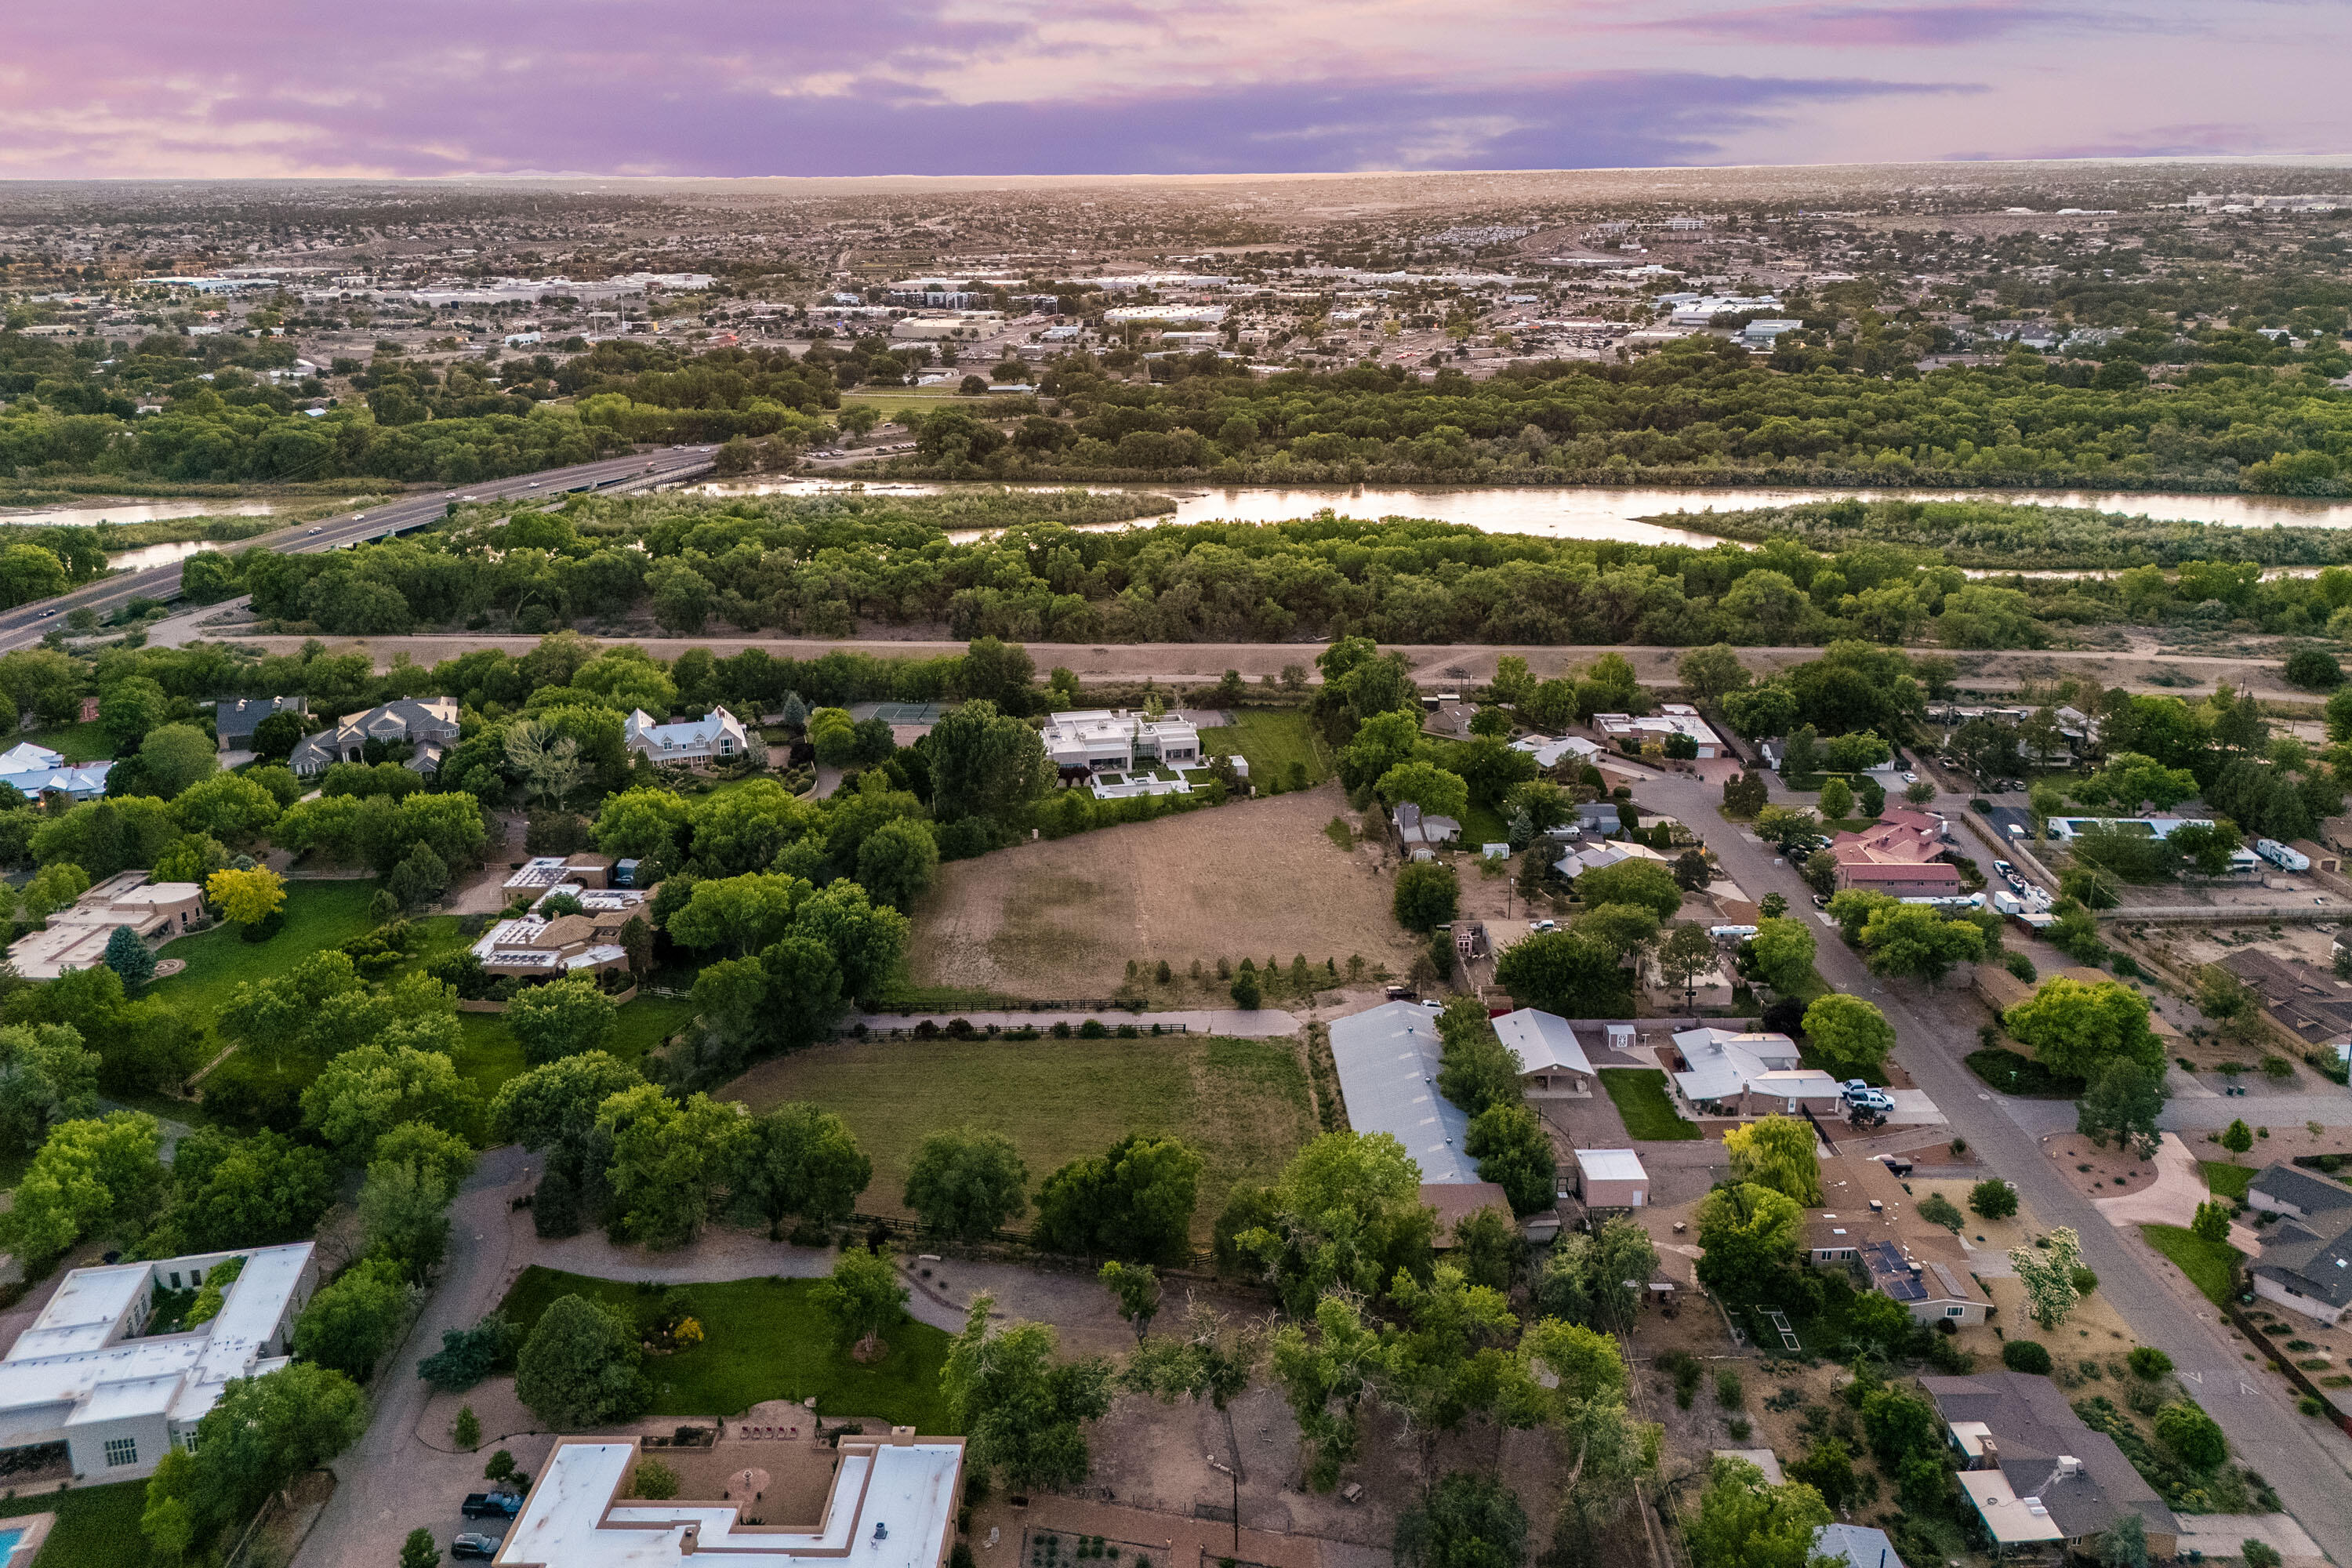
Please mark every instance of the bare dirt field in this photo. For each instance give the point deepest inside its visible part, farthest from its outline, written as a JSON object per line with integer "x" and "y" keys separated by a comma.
{"x": 1061, "y": 919}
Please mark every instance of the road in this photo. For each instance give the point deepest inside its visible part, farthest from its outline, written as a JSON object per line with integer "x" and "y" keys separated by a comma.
{"x": 2309, "y": 1463}
{"x": 22, "y": 627}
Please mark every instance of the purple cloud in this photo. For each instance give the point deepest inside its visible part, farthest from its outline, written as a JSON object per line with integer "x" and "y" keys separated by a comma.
{"x": 1866, "y": 26}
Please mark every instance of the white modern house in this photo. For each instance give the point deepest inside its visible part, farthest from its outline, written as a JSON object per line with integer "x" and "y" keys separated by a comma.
{"x": 1673, "y": 719}
{"x": 893, "y": 1505}
{"x": 87, "y": 1378}
{"x": 36, "y": 771}
{"x": 1114, "y": 741}
{"x": 717, "y": 737}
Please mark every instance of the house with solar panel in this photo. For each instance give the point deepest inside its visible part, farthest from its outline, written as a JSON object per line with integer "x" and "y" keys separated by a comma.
{"x": 1867, "y": 1222}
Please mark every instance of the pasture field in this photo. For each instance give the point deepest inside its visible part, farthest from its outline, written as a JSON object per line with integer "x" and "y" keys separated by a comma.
{"x": 1242, "y": 1104}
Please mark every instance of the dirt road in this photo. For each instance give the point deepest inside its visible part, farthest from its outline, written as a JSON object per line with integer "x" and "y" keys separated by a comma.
{"x": 1433, "y": 664}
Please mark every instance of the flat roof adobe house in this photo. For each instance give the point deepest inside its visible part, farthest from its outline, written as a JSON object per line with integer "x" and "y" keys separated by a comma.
{"x": 717, "y": 737}
{"x": 87, "y": 1378}
{"x": 892, "y": 1505}
{"x": 76, "y": 938}
{"x": 1671, "y": 720}
{"x": 429, "y": 723}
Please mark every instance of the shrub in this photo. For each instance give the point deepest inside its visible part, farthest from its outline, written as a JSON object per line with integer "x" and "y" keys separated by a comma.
{"x": 2146, "y": 1360}
{"x": 2313, "y": 670}
{"x": 1938, "y": 1209}
{"x": 1993, "y": 1199}
{"x": 2026, "y": 1355}
{"x": 2086, "y": 1281}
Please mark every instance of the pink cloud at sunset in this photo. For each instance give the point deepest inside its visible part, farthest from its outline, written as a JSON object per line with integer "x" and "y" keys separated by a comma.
{"x": 264, "y": 87}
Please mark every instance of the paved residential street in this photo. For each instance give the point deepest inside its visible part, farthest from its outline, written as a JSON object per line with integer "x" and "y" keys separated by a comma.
{"x": 2309, "y": 1463}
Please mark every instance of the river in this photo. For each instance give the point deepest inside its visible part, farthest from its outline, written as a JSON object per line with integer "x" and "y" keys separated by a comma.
{"x": 1588, "y": 511}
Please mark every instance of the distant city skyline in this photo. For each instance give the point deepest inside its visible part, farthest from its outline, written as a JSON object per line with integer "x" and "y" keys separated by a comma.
{"x": 721, "y": 87}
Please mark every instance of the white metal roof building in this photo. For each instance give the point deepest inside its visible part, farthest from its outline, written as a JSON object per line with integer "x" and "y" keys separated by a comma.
{"x": 1551, "y": 1059}
{"x": 893, "y": 1505}
{"x": 35, "y": 771}
{"x": 86, "y": 1376}
{"x": 1387, "y": 1059}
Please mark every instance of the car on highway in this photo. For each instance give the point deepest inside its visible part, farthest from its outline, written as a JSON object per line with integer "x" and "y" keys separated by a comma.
{"x": 308, "y": 531}
{"x": 481, "y": 1547}
{"x": 491, "y": 1505}
{"x": 359, "y": 517}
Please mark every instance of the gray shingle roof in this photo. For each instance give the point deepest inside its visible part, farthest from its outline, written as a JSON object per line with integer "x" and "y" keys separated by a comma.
{"x": 2034, "y": 1427}
{"x": 2311, "y": 1193}
{"x": 2312, "y": 1256}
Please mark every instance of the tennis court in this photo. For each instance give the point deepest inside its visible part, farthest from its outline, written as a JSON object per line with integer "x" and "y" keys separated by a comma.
{"x": 903, "y": 712}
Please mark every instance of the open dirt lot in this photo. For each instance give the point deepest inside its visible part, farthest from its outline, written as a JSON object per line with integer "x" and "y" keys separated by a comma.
{"x": 1061, "y": 919}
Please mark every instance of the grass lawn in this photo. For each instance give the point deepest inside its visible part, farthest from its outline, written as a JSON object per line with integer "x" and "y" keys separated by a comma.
{"x": 2225, "y": 1180}
{"x": 97, "y": 1527}
{"x": 765, "y": 1340}
{"x": 490, "y": 1053}
{"x": 75, "y": 742}
{"x": 1242, "y": 1104}
{"x": 2210, "y": 1265}
{"x": 1640, "y": 1094}
{"x": 318, "y": 915}
{"x": 1271, "y": 740}
{"x": 2021, "y": 1076}
{"x": 1482, "y": 825}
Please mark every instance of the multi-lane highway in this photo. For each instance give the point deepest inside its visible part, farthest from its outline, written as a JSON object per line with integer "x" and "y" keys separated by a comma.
{"x": 24, "y": 626}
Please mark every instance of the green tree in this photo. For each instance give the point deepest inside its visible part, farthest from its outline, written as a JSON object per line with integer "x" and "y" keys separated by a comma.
{"x": 967, "y": 1182}
{"x": 1688, "y": 952}
{"x": 1134, "y": 1201}
{"x": 1437, "y": 792}
{"x": 1345, "y": 1211}
{"x": 177, "y": 756}
{"x": 799, "y": 1159}
{"x": 262, "y": 1433}
{"x": 2078, "y": 1030}
{"x": 97, "y": 1177}
{"x": 863, "y": 1299}
{"x": 1568, "y": 972}
{"x": 984, "y": 763}
{"x": 2237, "y": 1139}
{"x": 1465, "y": 1521}
{"x": 371, "y": 1088}
{"x": 249, "y": 897}
{"x": 1427, "y": 895}
{"x": 2124, "y": 1543}
{"x": 1135, "y": 1292}
{"x": 132, "y": 708}
{"x": 1745, "y": 1522}
{"x": 1709, "y": 674}
{"x": 1514, "y": 1152}
{"x": 1748, "y": 1237}
{"x": 897, "y": 862}
{"x": 353, "y": 1318}
{"x": 1583, "y": 1279}
{"x": 1777, "y": 1152}
{"x": 1475, "y": 1069}
{"x": 578, "y": 1368}
{"x": 130, "y": 957}
{"x": 1837, "y": 799}
{"x": 418, "y": 1551}
{"x": 1621, "y": 928}
{"x": 45, "y": 1077}
{"x": 1645, "y": 884}
{"x": 1784, "y": 954}
{"x": 403, "y": 1201}
{"x": 1993, "y": 1199}
{"x": 1938, "y": 1209}
{"x": 669, "y": 1161}
{"x": 1022, "y": 1413}
{"x": 2123, "y": 1103}
{"x": 1851, "y": 1037}
{"x": 1918, "y": 941}
{"x": 2212, "y": 1222}
{"x": 561, "y": 1018}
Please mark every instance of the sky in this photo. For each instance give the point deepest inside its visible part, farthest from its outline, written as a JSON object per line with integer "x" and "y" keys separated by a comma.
{"x": 133, "y": 88}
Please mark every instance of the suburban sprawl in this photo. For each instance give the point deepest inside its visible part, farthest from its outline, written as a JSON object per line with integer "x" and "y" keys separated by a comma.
{"x": 1487, "y": 871}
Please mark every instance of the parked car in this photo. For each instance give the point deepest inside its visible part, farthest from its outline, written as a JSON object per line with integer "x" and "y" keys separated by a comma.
{"x": 1820, "y": 902}
{"x": 2007, "y": 871}
{"x": 491, "y": 1505}
{"x": 1862, "y": 1097}
{"x": 483, "y": 1547}
{"x": 1910, "y": 778}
